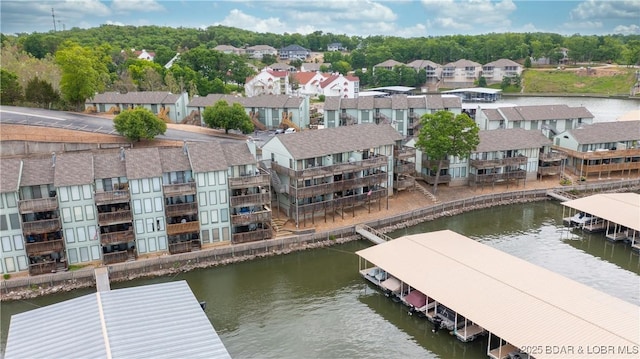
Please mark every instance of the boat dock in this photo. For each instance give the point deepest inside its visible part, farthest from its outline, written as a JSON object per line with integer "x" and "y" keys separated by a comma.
{"x": 372, "y": 234}
{"x": 472, "y": 289}
{"x": 616, "y": 214}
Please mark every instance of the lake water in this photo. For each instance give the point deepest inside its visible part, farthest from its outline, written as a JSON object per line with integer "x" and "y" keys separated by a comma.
{"x": 314, "y": 304}
{"x": 603, "y": 109}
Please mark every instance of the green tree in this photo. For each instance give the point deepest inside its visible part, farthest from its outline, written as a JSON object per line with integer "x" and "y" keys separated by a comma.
{"x": 40, "y": 92}
{"x": 10, "y": 89}
{"x": 482, "y": 81}
{"x": 221, "y": 115}
{"x": 527, "y": 63}
{"x": 341, "y": 66}
{"x": 443, "y": 135}
{"x": 139, "y": 124}
{"x": 269, "y": 59}
{"x": 83, "y": 73}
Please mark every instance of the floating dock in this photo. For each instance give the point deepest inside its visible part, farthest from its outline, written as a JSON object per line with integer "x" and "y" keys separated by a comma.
{"x": 528, "y": 310}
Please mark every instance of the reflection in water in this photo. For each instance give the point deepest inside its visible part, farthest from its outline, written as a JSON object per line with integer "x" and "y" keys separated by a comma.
{"x": 315, "y": 304}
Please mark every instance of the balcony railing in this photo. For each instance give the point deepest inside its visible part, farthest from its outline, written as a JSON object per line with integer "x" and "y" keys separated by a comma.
{"x": 609, "y": 167}
{"x": 43, "y": 226}
{"x": 102, "y": 198}
{"x": 180, "y": 228}
{"x": 426, "y": 163}
{"x": 549, "y": 170}
{"x": 44, "y": 247}
{"x": 338, "y": 186}
{"x": 248, "y": 218}
{"x": 38, "y": 205}
{"x": 508, "y": 161}
{"x": 345, "y": 201}
{"x": 115, "y": 257}
{"x": 250, "y": 199}
{"x": 407, "y": 167}
{"x": 373, "y": 162}
{"x": 117, "y": 237}
{"x": 185, "y": 246}
{"x": 404, "y": 152}
{"x": 179, "y": 189}
{"x": 552, "y": 156}
{"x": 173, "y": 210}
{"x": 497, "y": 177}
{"x": 42, "y": 268}
{"x": 443, "y": 179}
{"x": 249, "y": 181}
{"x": 595, "y": 155}
{"x": 257, "y": 235}
{"x": 121, "y": 216}
{"x": 404, "y": 183}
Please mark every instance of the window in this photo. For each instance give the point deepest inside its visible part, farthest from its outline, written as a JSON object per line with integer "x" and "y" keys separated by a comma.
{"x": 204, "y": 235}
{"x": 222, "y": 179}
{"x": 223, "y": 196}
{"x": 82, "y": 234}
{"x": 204, "y": 217}
{"x": 77, "y": 213}
{"x": 6, "y": 244}
{"x": 213, "y": 199}
{"x": 156, "y": 184}
{"x": 11, "y": 200}
{"x": 135, "y": 187}
{"x": 145, "y": 185}
{"x": 95, "y": 252}
{"x": 150, "y": 225}
{"x": 14, "y": 219}
{"x": 201, "y": 180}
{"x": 159, "y": 223}
{"x": 84, "y": 254}
{"x": 162, "y": 243}
{"x": 202, "y": 198}
{"x": 224, "y": 215}
{"x": 137, "y": 206}
{"x": 10, "y": 264}
{"x": 211, "y": 178}
{"x": 142, "y": 246}
{"x": 158, "y": 204}
{"x": 75, "y": 193}
{"x": 66, "y": 215}
{"x": 225, "y": 233}
{"x": 18, "y": 242}
{"x": 216, "y": 235}
{"x": 73, "y": 255}
{"x": 86, "y": 191}
{"x": 139, "y": 226}
{"x": 69, "y": 235}
{"x": 153, "y": 244}
{"x": 148, "y": 205}
{"x": 214, "y": 216}
{"x": 90, "y": 213}
{"x": 93, "y": 233}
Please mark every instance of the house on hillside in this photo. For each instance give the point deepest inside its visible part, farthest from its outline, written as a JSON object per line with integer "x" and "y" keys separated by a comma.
{"x": 144, "y": 54}
{"x": 168, "y": 106}
{"x": 497, "y": 70}
{"x": 293, "y": 52}
{"x": 308, "y": 83}
{"x": 602, "y": 148}
{"x": 279, "y": 66}
{"x": 257, "y": 51}
{"x": 433, "y": 71}
{"x": 313, "y": 66}
{"x": 340, "y": 85}
{"x": 461, "y": 73}
{"x": 268, "y": 82}
{"x": 332, "y": 171}
{"x": 228, "y": 49}
{"x": 336, "y": 46}
{"x": 387, "y": 65}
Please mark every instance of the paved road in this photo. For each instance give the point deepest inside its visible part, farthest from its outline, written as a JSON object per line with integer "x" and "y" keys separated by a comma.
{"x": 81, "y": 122}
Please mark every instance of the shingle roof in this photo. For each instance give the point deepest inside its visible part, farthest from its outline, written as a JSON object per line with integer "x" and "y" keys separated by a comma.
{"x": 266, "y": 101}
{"x": 37, "y": 171}
{"x": 73, "y": 169}
{"x": 206, "y": 157}
{"x": 174, "y": 159}
{"x": 503, "y": 63}
{"x": 143, "y": 163}
{"x": 399, "y": 102}
{"x": 492, "y": 114}
{"x": 332, "y": 103}
{"x": 451, "y": 101}
{"x": 389, "y": 63}
{"x": 604, "y": 132}
{"x": 108, "y": 164}
{"x": 417, "y": 102}
{"x": 134, "y": 98}
{"x": 308, "y": 144}
{"x": 463, "y": 63}
{"x": 435, "y": 102}
{"x": 294, "y": 47}
{"x": 10, "y": 175}
{"x": 237, "y": 153}
{"x": 382, "y": 102}
{"x": 421, "y": 64}
{"x": 303, "y": 78}
{"x": 260, "y": 48}
{"x": 510, "y": 139}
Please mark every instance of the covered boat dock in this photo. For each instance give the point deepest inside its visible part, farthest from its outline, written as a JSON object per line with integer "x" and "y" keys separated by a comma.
{"x": 616, "y": 213}
{"x": 526, "y": 309}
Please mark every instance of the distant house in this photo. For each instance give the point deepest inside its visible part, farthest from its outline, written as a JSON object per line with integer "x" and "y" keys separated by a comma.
{"x": 313, "y": 66}
{"x": 601, "y": 148}
{"x": 228, "y": 49}
{"x": 173, "y": 106}
{"x": 258, "y": 51}
{"x": 268, "y": 82}
{"x": 308, "y": 83}
{"x": 336, "y": 46}
{"x": 387, "y": 65}
{"x": 278, "y": 66}
{"x": 497, "y": 70}
{"x": 340, "y": 85}
{"x": 144, "y": 54}
{"x": 433, "y": 70}
{"x": 293, "y": 52}
{"x": 461, "y": 73}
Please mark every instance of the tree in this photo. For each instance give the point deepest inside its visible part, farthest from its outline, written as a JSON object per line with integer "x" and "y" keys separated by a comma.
{"x": 83, "y": 73}
{"x": 269, "y": 59}
{"x": 482, "y": 81}
{"x": 10, "y": 89}
{"x": 40, "y": 92}
{"x": 527, "y": 63}
{"x": 221, "y": 115}
{"x": 139, "y": 124}
{"x": 443, "y": 135}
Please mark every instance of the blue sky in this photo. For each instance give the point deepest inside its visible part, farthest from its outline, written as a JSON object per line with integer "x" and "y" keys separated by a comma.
{"x": 405, "y": 18}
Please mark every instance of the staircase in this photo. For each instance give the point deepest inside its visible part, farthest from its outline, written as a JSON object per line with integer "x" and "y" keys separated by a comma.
{"x": 278, "y": 227}
{"x": 421, "y": 187}
{"x": 255, "y": 119}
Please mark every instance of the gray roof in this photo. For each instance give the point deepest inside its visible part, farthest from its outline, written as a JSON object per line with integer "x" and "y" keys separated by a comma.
{"x": 510, "y": 139}
{"x": 604, "y": 132}
{"x": 153, "y": 321}
{"x": 543, "y": 112}
{"x": 73, "y": 169}
{"x": 206, "y": 157}
{"x": 10, "y": 179}
{"x": 143, "y": 163}
{"x": 492, "y": 114}
{"x": 266, "y": 101}
{"x": 422, "y": 64}
{"x": 260, "y": 48}
{"x": 237, "y": 153}
{"x": 294, "y": 47}
{"x": 174, "y": 159}
{"x": 37, "y": 171}
{"x": 398, "y": 101}
{"x": 503, "y": 63}
{"x": 134, "y": 98}
{"x": 463, "y": 63}
{"x": 108, "y": 164}
{"x": 417, "y": 102}
{"x": 332, "y": 103}
{"x": 389, "y": 63}
{"x": 317, "y": 143}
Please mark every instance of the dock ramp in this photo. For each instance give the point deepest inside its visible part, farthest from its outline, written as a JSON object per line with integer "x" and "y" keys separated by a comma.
{"x": 372, "y": 234}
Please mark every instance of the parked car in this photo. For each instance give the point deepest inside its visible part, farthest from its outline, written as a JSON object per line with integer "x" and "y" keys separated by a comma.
{"x": 290, "y": 130}
{"x": 279, "y": 130}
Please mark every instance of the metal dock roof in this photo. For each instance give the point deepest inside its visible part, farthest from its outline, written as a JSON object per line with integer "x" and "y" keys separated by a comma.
{"x": 153, "y": 321}
{"x": 522, "y": 303}
{"x": 620, "y": 208}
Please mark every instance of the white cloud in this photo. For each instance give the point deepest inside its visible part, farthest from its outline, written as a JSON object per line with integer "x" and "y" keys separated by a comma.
{"x": 592, "y": 9}
{"x": 627, "y": 30}
{"x": 465, "y": 16}
{"x": 136, "y": 5}
{"x": 237, "y": 18}
{"x": 116, "y": 23}
{"x": 573, "y": 26}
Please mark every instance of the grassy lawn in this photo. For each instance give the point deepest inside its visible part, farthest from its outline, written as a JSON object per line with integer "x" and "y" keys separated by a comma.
{"x": 554, "y": 81}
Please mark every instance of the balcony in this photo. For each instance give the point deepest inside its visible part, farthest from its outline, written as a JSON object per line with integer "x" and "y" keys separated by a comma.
{"x": 179, "y": 189}
{"x": 38, "y": 205}
{"x": 595, "y": 155}
{"x": 185, "y": 246}
{"x": 404, "y": 153}
{"x": 117, "y": 237}
{"x": 40, "y": 227}
{"x": 405, "y": 167}
{"x": 111, "y": 197}
{"x": 250, "y": 199}
{"x": 552, "y": 156}
{"x": 121, "y": 216}
{"x": 249, "y": 181}
{"x": 251, "y": 217}
{"x": 443, "y": 179}
{"x": 404, "y": 182}
{"x": 609, "y": 167}
{"x": 42, "y": 268}
{"x": 173, "y": 210}
{"x": 549, "y": 170}
{"x": 508, "y": 161}
{"x": 115, "y": 257}
{"x": 487, "y": 73}
{"x": 44, "y": 247}
{"x": 432, "y": 164}
{"x": 346, "y": 167}
{"x": 181, "y": 228}
{"x": 257, "y": 235}
{"x": 470, "y": 74}
{"x": 497, "y": 177}
{"x": 343, "y": 201}
{"x": 338, "y": 186}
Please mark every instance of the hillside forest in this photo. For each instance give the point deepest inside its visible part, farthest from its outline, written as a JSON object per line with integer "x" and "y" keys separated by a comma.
{"x": 62, "y": 69}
